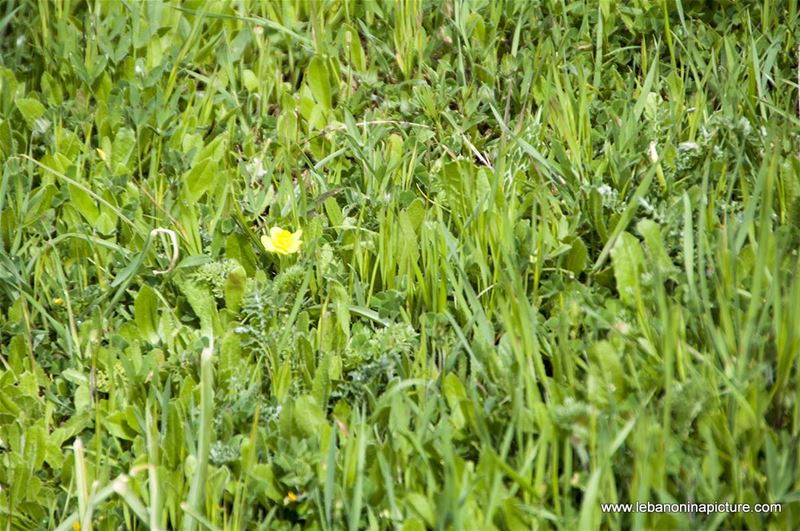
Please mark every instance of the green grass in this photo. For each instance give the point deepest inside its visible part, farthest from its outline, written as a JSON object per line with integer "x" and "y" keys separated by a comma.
{"x": 549, "y": 261}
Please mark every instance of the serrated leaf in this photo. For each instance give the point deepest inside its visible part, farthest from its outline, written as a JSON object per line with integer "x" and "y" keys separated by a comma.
{"x": 202, "y": 302}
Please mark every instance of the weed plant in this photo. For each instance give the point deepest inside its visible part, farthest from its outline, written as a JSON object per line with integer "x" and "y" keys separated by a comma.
{"x": 548, "y": 261}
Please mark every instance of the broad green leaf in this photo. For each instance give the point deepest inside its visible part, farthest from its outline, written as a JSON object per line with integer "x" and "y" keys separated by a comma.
{"x": 39, "y": 203}
{"x": 234, "y": 288}
{"x": 454, "y": 393}
{"x": 8, "y": 89}
{"x": 322, "y": 381}
{"x": 407, "y": 244}
{"x": 117, "y": 425}
{"x": 199, "y": 180}
{"x": 249, "y": 80}
{"x": 31, "y": 109}
{"x": 202, "y": 302}
{"x": 317, "y": 119}
{"x": 214, "y": 150}
{"x": 416, "y": 214}
{"x": 453, "y": 390}
{"x": 341, "y": 304}
{"x": 334, "y": 212}
{"x": 394, "y": 150}
{"x": 107, "y": 221}
{"x": 357, "y": 57}
{"x": 84, "y": 203}
{"x": 145, "y": 309}
{"x": 82, "y": 397}
{"x": 609, "y": 359}
{"x": 578, "y": 257}
{"x": 308, "y": 416}
{"x": 121, "y": 151}
{"x": 241, "y": 249}
{"x": 35, "y": 444}
{"x": 5, "y": 139}
{"x": 422, "y": 506}
{"x": 628, "y": 261}
{"x": 413, "y": 524}
{"x": 651, "y": 233}
{"x": 319, "y": 82}
{"x": 265, "y": 481}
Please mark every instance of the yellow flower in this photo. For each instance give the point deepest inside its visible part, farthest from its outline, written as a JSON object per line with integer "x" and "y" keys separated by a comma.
{"x": 282, "y": 241}
{"x": 76, "y": 526}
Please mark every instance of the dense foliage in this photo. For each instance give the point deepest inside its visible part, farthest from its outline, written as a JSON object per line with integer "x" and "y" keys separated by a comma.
{"x": 548, "y": 261}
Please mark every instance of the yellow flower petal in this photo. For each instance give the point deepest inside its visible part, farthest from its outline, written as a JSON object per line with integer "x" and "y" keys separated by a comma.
{"x": 282, "y": 241}
{"x": 267, "y": 242}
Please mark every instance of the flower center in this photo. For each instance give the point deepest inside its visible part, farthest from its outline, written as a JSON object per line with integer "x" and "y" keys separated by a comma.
{"x": 283, "y": 239}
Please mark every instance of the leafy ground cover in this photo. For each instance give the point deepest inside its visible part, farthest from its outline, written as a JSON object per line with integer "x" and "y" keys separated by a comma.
{"x": 548, "y": 260}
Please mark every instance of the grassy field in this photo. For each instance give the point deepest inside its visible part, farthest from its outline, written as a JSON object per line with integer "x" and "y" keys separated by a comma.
{"x": 345, "y": 264}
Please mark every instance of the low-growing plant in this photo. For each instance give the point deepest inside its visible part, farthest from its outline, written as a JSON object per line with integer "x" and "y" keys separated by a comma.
{"x": 408, "y": 265}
